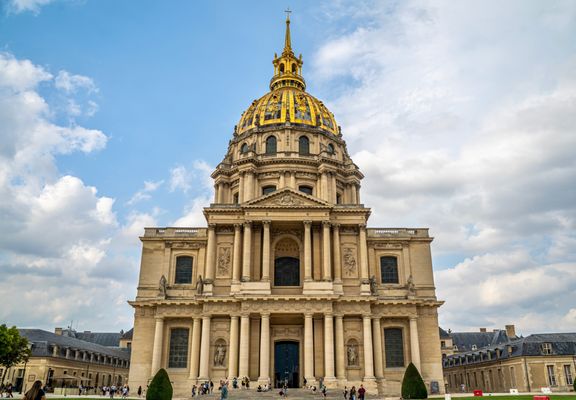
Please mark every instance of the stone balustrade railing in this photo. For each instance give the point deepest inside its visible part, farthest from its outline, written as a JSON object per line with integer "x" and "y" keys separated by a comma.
{"x": 397, "y": 232}
{"x": 175, "y": 232}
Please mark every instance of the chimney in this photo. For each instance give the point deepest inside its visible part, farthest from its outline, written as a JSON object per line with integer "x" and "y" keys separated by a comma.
{"x": 58, "y": 331}
{"x": 483, "y": 330}
{"x": 510, "y": 331}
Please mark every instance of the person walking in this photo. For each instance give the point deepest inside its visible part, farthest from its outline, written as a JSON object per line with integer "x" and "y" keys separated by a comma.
{"x": 35, "y": 392}
{"x": 361, "y": 392}
{"x": 353, "y": 393}
{"x": 224, "y": 391}
{"x": 345, "y": 393}
{"x": 139, "y": 391}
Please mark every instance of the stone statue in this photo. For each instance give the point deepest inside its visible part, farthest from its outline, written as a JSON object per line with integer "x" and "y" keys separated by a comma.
{"x": 162, "y": 287}
{"x": 372, "y": 281}
{"x": 352, "y": 354}
{"x": 199, "y": 285}
{"x": 410, "y": 286}
{"x": 219, "y": 355}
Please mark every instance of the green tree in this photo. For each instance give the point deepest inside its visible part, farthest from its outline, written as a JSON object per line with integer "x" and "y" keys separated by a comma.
{"x": 160, "y": 388}
{"x": 14, "y": 348}
{"x": 413, "y": 386}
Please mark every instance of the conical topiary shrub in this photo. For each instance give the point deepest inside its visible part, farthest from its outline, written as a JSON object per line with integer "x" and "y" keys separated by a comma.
{"x": 160, "y": 388}
{"x": 413, "y": 386}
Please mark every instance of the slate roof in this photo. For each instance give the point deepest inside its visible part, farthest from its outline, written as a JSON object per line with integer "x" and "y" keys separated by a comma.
{"x": 443, "y": 334}
{"x": 561, "y": 344}
{"x": 465, "y": 340}
{"x": 108, "y": 339}
{"x": 128, "y": 334}
{"x": 43, "y": 340}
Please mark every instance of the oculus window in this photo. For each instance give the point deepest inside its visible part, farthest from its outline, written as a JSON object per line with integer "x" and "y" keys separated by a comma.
{"x": 178, "y": 356}
{"x": 394, "y": 347}
{"x": 389, "y": 269}
{"x": 184, "y": 270}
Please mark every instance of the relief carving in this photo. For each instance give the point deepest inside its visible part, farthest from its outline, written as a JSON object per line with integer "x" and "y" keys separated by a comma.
{"x": 349, "y": 262}
{"x": 224, "y": 261}
{"x": 287, "y": 200}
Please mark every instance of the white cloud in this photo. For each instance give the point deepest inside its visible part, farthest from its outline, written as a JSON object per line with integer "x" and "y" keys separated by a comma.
{"x": 19, "y": 6}
{"x": 70, "y": 83}
{"x": 144, "y": 193}
{"x": 469, "y": 131}
{"x": 184, "y": 179}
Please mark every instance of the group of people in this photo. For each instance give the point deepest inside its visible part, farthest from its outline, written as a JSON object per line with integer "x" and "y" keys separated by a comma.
{"x": 354, "y": 394}
{"x": 112, "y": 390}
{"x": 208, "y": 387}
{"x": 6, "y": 390}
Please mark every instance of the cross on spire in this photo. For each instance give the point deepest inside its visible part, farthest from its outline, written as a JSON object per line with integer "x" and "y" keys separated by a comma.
{"x": 287, "y": 40}
{"x": 288, "y": 12}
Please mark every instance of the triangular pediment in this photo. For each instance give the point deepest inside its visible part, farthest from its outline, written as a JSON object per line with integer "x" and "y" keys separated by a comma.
{"x": 287, "y": 197}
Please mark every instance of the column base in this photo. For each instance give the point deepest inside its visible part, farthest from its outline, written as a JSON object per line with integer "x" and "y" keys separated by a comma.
{"x": 330, "y": 381}
{"x": 255, "y": 287}
{"x": 318, "y": 287}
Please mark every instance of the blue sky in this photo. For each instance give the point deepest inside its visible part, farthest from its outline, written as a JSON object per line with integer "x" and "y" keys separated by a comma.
{"x": 460, "y": 114}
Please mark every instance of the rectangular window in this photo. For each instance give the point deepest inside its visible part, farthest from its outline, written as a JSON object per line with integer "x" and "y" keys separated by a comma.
{"x": 178, "y": 355}
{"x": 551, "y": 376}
{"x": 546, "y": 348}
{"x": 389, "y": 269}
{"x": 394, "y": 347}
{"x": 183, "y": 270}
{"x": 568, "y": 374}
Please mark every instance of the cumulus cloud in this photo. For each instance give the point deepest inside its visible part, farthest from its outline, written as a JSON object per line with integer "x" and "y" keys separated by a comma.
{"x": 144, "y": 193}
{"x": 57, "y": 241}
{"x": 18, "y": 6}
{"x": 70, "y": 83}
{"x": 468, "y": 131}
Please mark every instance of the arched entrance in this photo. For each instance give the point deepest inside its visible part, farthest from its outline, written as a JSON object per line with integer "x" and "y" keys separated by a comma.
{"x": 286, "y": 364}
{"x": 287, "y": 263}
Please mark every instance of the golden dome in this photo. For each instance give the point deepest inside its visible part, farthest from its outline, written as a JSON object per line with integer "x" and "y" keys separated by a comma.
{"x": 287, "y": 102}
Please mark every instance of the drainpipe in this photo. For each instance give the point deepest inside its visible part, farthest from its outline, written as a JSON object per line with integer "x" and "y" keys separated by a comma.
{"x": 527, "y": 376}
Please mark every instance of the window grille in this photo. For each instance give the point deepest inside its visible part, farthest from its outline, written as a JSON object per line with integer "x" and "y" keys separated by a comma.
{"x": 183, "y": 270}
{"x": 394, "y": 347}
{"x": 551, "y": 376}
{"x": 568, "y": 374}
{"x": 178, "y": 355}
{"x": 389, "y": 269}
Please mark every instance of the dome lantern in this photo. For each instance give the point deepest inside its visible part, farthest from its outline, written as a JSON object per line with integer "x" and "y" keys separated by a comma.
{"x": 287, "y": 67}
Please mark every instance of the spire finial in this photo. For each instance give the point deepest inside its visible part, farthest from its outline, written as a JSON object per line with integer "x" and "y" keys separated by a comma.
{"x": 287, "y": 41}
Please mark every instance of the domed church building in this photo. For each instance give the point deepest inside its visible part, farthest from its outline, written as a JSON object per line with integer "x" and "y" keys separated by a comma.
{"x": 286, "y": 284}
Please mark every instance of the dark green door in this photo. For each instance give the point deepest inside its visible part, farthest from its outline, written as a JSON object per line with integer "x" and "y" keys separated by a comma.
{"x": 286, "y": 364}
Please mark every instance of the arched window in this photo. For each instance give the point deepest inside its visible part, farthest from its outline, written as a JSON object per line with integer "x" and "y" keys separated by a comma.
{"x": 389, "y": 269}
{"x": 305, "y": 189}
{"x": 331, "y": 148}
{"x": 244, "y": 149}
{"x": 183, "y": 270}
{"x": 304, "y": 146}
{"x": 268, "y": 189}
{"x": 287, "y": 263}
{"x": 338, "y": 198}
{"x": 394, "y": 347}
{"x": 294, "y": 68}
{"x": 236, "y": 198}
{"x": 178, "y": 355}
{"x": 282, "y": 68}
{"x": 271, "y": 145}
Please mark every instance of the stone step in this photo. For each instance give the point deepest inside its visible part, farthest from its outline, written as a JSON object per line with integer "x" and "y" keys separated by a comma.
{"x": 293, "y": 394}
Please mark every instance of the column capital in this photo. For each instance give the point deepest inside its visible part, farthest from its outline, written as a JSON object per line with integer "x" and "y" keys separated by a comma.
{"x": 266, "y": 223}
{"x": 265, "y": 315}
{"x": 339, "y": 315}
{"x": 366, "y": 316}
{"x": 245, "y": 314}
{"x": 308, "y": 314}
{"x": 376, "y": 317}
{"x": 159, "y": 317}
{"x": 206, "y": 317}
{"x": 233, "y": 315}
{"x": 212, "y": 226}
{"x": 247, "y": 224}
{"x": 237, "y": 226}
{"x": 326, "y": 224}
{"x": 328, "y": 314}
{"x": 307, "y": 223}
{"x": 362, "y": 226}
{"x": 413, "y": 318}
{"x": 336, "y": 226}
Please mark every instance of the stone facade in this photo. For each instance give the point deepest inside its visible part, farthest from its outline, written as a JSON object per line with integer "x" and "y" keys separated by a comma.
{"x": 286, "y": 264}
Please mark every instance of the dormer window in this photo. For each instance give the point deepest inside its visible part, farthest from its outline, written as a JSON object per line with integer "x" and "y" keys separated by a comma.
{"x": 546, "y": 348}
{"x": 474, "y": 347}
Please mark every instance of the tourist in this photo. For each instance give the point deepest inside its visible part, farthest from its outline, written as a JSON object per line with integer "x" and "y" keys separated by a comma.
{"x": 352, "y": 393}
{"x": 36, "y": 392}
{"x": 324, "y": 391}
{"x": 235, "y": 383}
{"x": 211, "y": 386}
{"x": 361, "y": 392}
{"x": 9, "y": 390}
{"x": 139, "y": 391}
{"x": 345, "y": 393}
{"x": 224, "y": 392}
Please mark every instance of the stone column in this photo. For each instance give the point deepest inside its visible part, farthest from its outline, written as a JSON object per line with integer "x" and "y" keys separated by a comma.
{"x": 329, "y": 347}
{"x": 195, "y": 349}
{"x": 211, "y": 253}
{"x": 247, "y": 251}
{"x": 368, "y": 353}
{"x": 353, "y": 193}
{"x": 217, "y": 193}
{"x": 363, "y": 255}
{"x": 205, "y": 350}
{"x": 157, "y": 346}
{"x": 333, "y": 188}
{"x": 282, "y": 180}
{"x": 415, "y": 342}
{"x": 249, "y": 190}
{"x": 241, "y": 188}
{"x": 337, "y": 258}
{"x": 308, "y": 348}
{"x": 266, "y": 252}
{"x": 293, "y": 180}
{"x": 264, "y": 349}
{"x": 340, "y": 349}
{"x": 233, "y": 348}
{"x": 237, "y": 260}
{"x": 324, "y": 185}
{"x": 307, "y": 251}
{"x": 244, "y": 345}
{"x": 326, "y": 261}
{"x": 377, "y": 337}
